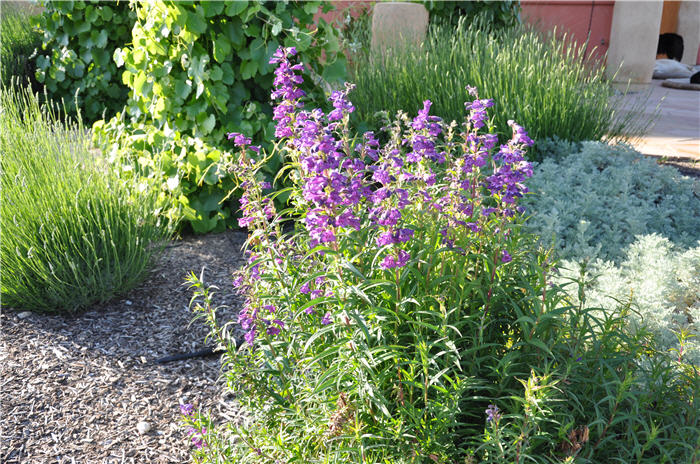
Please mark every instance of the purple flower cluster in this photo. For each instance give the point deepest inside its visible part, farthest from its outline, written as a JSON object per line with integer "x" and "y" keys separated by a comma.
{"x": 493, "y": 414}
{"x": 197, "y": 436}
{"x": 346, "y": 186}
{"x": 197, "y": 433}
{"x": 506, "y": 183}
{"x": 187, "y": 409}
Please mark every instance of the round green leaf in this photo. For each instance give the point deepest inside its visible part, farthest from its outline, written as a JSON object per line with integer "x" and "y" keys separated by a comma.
{"x": 235, "y": 8}
{"x": 222, "y": 49}
{"x": 107, "y": 13}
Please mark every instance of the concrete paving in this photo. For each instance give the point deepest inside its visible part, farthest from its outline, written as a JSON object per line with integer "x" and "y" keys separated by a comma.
{"x": 676, "y": 129}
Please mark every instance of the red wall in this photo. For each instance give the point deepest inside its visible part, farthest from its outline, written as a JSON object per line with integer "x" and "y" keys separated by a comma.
{"x": 355, "y": 8}
{"x": 574, "y": 17}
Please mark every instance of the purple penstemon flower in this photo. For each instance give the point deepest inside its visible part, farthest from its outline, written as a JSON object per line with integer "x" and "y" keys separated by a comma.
{"x": 506, "y": 257}
{"x": 326, "y": 319}
{"x": 391, "y": 262}
{"x": 239, "y": 140}
{"x": 187, "y": 409}
{"x": 493, "y": 414}
{"x": 197, "y": 436}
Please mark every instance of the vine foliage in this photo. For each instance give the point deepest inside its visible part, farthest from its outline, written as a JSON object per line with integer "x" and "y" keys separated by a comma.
{"x": 79, "y": 38}
{"x": 197, "y": 71}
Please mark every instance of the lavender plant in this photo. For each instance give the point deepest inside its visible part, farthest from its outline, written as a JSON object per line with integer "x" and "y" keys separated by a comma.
{"x": 396, "y": 310}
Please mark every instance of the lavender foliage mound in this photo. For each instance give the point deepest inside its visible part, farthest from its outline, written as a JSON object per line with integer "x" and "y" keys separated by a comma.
{"x": 595, "y": 199}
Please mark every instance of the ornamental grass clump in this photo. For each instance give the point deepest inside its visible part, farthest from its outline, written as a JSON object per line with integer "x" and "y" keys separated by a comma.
{"x": 546, "y": 83}
{"x": 73, "y": 232}
{"x": 397, "y": 313}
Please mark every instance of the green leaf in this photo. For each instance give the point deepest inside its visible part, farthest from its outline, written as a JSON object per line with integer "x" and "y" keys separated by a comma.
{"x": 228, "y": 75}
{"x": 207, "y": 125}
{"x": 107, "y": 13}
{"x": 118, "y": 57}
{"x": 91, "y": 14}
{"x": 302, "y": 41}
{"x": 100, "y": 57}
{"x": 311, "y": 7}
{"x": 202, "y": 224}
{"x": 210, "y": 201}
{"x": 332, "y": 42}
{"x": 139, "y": 82}
{"x": 248, "y": 69}
{"x": 42, "y": 62}
{"x": 335, "y": 72}
{"x": 159, "y": 108}
{"x": 257, "y": 50}
{"x": 252, "y": 30}
{"x": 195, "y": 23}
{"x": 235, "y": 8}
{"x": 222, "y": 49}
{"x": 234, "y": 32}
{"x": 251, "y": 11}
{"x": 212, "y": 8}
{"x": 216, "y": 73}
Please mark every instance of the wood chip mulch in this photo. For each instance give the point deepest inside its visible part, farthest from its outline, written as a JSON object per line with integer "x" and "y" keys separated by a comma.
{"x": 688, "y": 166}
{"x": 73, "y": 388}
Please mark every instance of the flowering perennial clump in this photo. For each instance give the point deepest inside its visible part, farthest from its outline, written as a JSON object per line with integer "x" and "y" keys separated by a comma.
{"x": 396, "y": 299}
{"x": 351, "y": 185}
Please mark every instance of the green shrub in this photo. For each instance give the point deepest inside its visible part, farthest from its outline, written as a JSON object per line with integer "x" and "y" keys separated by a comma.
{"x": 79, "y": 38}
{"x": 197, "y": 71}
{"x": 18, "y": 40}
{"x": 498, "y": 15}
{"x": 593, "y": 199}
{"x": 73, "y": 233}
{"x": 540, "y": 82}
{"x": 406, "y": 317}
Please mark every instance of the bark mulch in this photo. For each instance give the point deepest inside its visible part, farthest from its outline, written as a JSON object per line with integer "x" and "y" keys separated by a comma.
{"x": 686, "y": 165}
{"x": 73, "y": 388}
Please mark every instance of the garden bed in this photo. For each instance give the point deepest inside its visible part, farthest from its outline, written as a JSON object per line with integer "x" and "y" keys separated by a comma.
{"x": 74, "y": 388}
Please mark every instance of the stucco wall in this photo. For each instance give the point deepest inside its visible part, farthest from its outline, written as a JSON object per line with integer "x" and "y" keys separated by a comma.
{"x": 689, "y": 29}
{"x": 633, "y": 40}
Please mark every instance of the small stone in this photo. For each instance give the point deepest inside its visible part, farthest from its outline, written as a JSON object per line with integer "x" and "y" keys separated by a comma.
{"x": 24, "y": 314}
{"x": 143, "y": 427}
{"x": 128, "y": 302}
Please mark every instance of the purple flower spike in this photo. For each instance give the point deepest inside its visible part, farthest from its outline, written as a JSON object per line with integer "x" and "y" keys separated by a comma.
{"x": 493, "y": 414}
{"x": 239, "y": 140}
{"x": 186, "y": 409}
{"x": 326, "y": 319}
{"x": 519, "y": 134}
{"x": 250, "y": 337}
{"x": 391, "y": 262}
{"x": 506, "y": 257}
